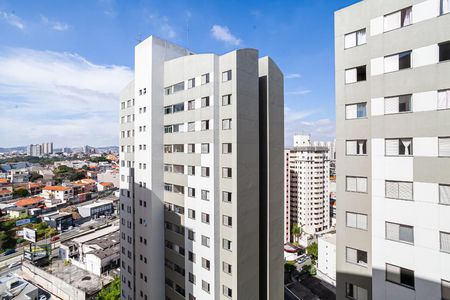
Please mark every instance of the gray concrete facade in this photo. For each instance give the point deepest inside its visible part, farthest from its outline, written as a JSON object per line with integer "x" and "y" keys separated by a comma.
{"x": 420, "y": 33}
{"x": 206, "y": 201}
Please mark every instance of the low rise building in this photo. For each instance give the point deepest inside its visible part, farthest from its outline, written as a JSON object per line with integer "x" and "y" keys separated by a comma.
{"x": 56, "y": 194}
{"x": 104, "y": 186}
{"x": 31, "y": 202}
{"x": 59, "y": 220}
{"x": 16, "y": 212}
{"x": 326, "y": 264}
{"x": 98, "y": 252}
{"x": 109, "y": 176}
{"x": 96, "y": 209}
{"x": 15, "y": 287}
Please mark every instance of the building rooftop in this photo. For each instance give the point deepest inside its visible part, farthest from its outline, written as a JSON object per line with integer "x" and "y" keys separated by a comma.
{"x": 55, "y": 188}
{"x": 96, "y": 204}
{"x": 15, "y": 287}
{"x": 96, "y": 234}
{"x": 29, "y": 201}
{"x": 329, "y": 237}
{"x": 76, "y": 277}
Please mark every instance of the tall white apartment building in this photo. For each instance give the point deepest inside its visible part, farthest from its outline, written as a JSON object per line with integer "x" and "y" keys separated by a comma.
{"x": 201, "y": 154}
{"x": 393, "y": 149}
{"x": 308, "y": 169}
{"x": 40, "y": 149}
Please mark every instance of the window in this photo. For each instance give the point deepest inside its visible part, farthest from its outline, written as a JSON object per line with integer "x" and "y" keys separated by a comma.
{"x": 355, "y": 74}
{"x": 191, "y": 235}
{"x": 226, "y": 76}
{"x": 226, "y": 172}
{"x": 227, "y": 291}
{"x": 205, "y": 78}
{"x": 399, "y": 104}
{"x": 444, "y": 51}
{"x": 226, "y": 148}
{"x": 178, "y": 107}
{"x": 227, "y": 220}
{"x": 205, "y": 148}
{"x": 205, "y": 171}
{"x": 205, "y": 218}
{"x": 356, "y": 220}
{"x": 356, "y": 184}
{"x": 205, "y": 286}
{"x": 226, "y": 244}
{"x": 167, "y": 110}
{"x": 445, "y": 241}
{"x": 191, "y": 104}
{"x": 205, "y": 195}
{"x": 445, "y": 7}
{"x": 191, "y": 192}
{"x": 356, "y": 147}
{"x": 444, "y": 194}
{"x": 191, "y": 148}
{"x": 205, "y": 241}
{"x": 191, "y": 256}
{"x": 399, "y": 190}
{"x": 191, "y": 127}
{"x": 356, "y": 256}
{"x": 445, "y": 289}
{"x": 356, "y": 111}
{"x": 168, "y": 90}
{"x": 178, "y": 169}
{"x": 444, "y": 146}
{"x": 397, "y": 62}
{"x": 191, "y": 83}
{"x": 444, "y": 99}
{"x": 168, "y": 129}
{"x": 205, "y": 124}
{"x": 226, "y": 100}
{"x": 400, "y": 276}
{"x": 399, "y": 233}
{"x": 354, "y": 39}
{"x": 168, "y": 168}
{"x": 191, "y": 170}
{"x": 226, "y": 124}
{"x": 191, "y": 213}
{"x": 206, "y": 264}
{"x": 178, "y": 87}
{"x": 178, "y": 148}
{"x": 226, "y": 267}
{"x": 355, "y": 292}
{"x": 395, "y": 147}
{"x": 205, "y": 101}
{"x": 191, "y": 278}
{"x": 226, "y": 197}
{"x": 398, "y": 19}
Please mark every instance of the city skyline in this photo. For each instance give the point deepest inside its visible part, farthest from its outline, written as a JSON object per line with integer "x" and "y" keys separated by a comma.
{"x": 89, "y": 67}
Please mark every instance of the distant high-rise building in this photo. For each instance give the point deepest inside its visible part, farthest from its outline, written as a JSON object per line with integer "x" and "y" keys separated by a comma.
{"x": 40, "y": 149}
{"x": 393, "y": 149}
{"x": 308, "y": 171}
{"x": 201, "y": 154}
{"x": 88, "y": 150}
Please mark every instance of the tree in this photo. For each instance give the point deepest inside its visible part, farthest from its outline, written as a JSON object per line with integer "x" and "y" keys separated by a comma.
{"x": 35, "y": 176}
{"x": 312, "y": 250}
{"x": 19, "y": 193}
{"x": 296, "y": 231}
{"x": 111, "y": 292}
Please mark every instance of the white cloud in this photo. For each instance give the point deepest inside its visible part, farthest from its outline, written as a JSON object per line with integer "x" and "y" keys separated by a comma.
{"x": 162, "y": 26}
{"x": 13, "y": 20}
{"x": 299, "y": 92}
{"x": 59, "y": 97}
{"x": 300, "y": 122}
{"x": 292, "y": 76}
{"x": 109, "y": 8}
{"x": 222, "y": 33}
{"x": 55, "y": 25}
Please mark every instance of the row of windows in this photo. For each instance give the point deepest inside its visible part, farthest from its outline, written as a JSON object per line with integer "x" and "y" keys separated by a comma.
{"x": 190, "y": 126}
{"x": 391, "y": 21}
{"x": 191, "y": 83}
{"x": 394, "y": 62}
{"x": 395, "y": 147}
{"x": 402, "y": 190}
{"x": 190, "y": 105}
{"x": 127, "y": 119}
{"x": 127, "y": 104}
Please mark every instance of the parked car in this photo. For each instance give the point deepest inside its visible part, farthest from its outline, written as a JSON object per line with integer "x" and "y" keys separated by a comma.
{"x": 55, "y": 238}
{"x": 10, "y": 251}
{"x": 14, "y": 264}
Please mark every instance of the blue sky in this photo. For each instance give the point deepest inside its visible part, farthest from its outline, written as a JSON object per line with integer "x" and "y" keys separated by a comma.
{"x": 62, "y": 63}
